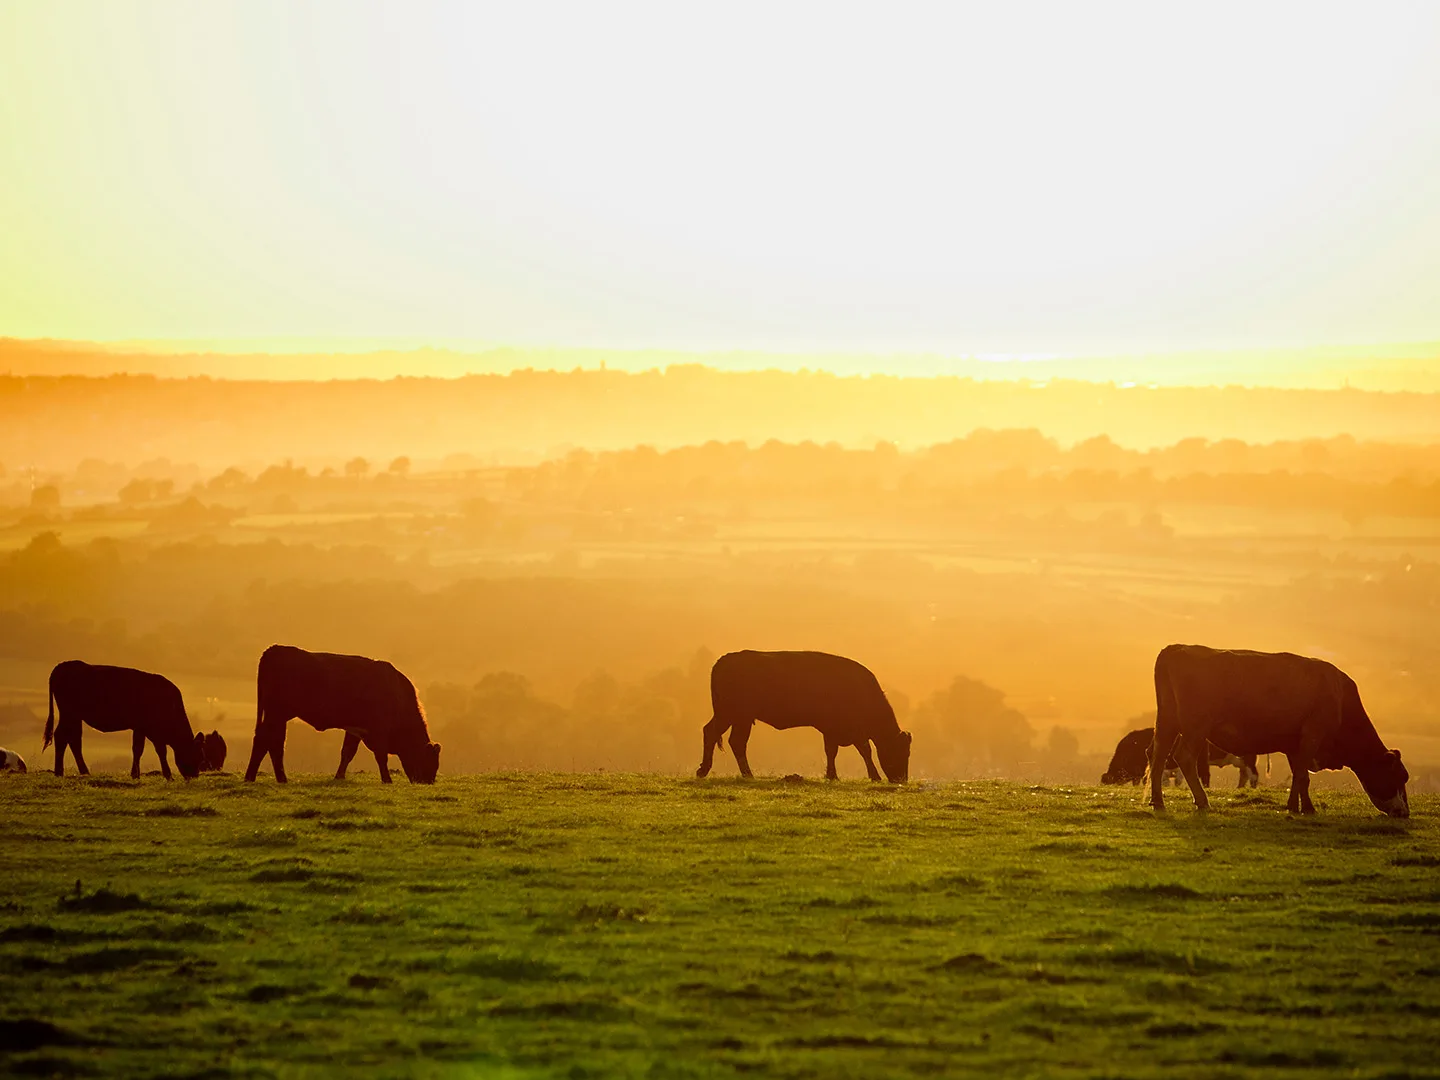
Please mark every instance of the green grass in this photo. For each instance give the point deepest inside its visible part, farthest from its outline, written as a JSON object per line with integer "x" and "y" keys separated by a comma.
{"x": 573, "y": 926}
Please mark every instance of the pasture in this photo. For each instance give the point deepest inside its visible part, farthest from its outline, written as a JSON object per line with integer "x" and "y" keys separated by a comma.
{"x": 596, "y": 925}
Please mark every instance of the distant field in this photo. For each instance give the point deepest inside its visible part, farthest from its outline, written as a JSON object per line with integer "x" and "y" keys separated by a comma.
{"x": 594, "y": 925}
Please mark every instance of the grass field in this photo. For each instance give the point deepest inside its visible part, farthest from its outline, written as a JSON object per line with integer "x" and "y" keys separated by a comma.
{"x": 595, "y": 925}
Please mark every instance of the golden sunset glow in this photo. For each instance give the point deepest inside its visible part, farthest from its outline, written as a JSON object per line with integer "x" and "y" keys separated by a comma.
{"x": 953, "y": 180}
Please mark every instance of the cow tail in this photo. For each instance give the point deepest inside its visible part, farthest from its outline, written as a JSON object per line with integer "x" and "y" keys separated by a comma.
{"x": 50, "y": 721}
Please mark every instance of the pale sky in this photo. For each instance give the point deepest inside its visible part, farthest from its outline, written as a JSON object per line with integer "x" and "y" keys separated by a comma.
{"x": 958, "y": 179}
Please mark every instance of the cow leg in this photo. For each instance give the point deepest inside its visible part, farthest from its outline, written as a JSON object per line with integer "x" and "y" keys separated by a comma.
{"x": 382, "y": 762}
{"x": 864, "y": 747}
{"x": 137, "y": 747}
{"x": 713, "y": 735}
{"x": 75, "y": 749}
{"x": 269, "y": 739}
{"x": 1299, "y": 801}
{"x": 831, "y": 749}
{"x": 1160, "y": 751}
{"x": 1188, "y": 758}
{"x": 739, "y": 739}
{"x": 1202, "y": 766}
{"x": 277, "y": 758}
{"x": 347, "y": 754}
{"x": 257, "y": 755}
{"x": 164, "y": 760}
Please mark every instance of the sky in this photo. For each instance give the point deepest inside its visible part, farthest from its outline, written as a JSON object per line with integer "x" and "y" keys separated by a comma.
{"x": 956, "y": 179}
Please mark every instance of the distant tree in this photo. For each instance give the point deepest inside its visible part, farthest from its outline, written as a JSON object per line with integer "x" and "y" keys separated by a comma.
{"x": 137, "y": 491}
{"x": 45, "y": 497}
{"x": 229, "y": 480}
{"x": 1061, "y": 746}
{"x": 357, "y": 467}
{"x": 400, "y": 466}
{"x": 967, "y": 727}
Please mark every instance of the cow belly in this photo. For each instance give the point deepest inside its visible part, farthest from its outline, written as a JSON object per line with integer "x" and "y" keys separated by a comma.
{"x": 109, "y": 722}
{"x": 1238, "y": 738}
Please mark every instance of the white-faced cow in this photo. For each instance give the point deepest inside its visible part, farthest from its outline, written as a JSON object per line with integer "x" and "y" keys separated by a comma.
{"x": 804, "y": 689}
{"x": 1132, "y": 759}
{"x": 10, "y": 761}
{"x": 369, "y": 699}
{"x": 119, "y": 699}
{"x": 1262, "y": 703}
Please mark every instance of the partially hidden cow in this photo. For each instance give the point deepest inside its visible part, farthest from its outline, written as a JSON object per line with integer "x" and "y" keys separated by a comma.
{"x": 372, "y": 701}
{"x": 10, "y": 761}
{"x": 119, "y": 699}
{"x": 836, "y": 695}
{"x": 1132, "y": 759}
{"x": 1262, "y": 703}
{"x": 212, "y": 750}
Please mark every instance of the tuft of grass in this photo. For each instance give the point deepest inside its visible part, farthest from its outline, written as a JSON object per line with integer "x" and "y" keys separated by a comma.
{"x": 1163, "y": 891}
{"x": 1152, "y": 959}
{"x": 280, "y": 836}
{"x": 1422, "y": 859}
{"x": 103, "y": 901}
{"x": 970, "y": 964}
{"x": 178, "y": 811}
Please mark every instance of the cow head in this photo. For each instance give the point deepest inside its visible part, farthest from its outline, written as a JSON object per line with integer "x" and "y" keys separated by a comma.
{"x": 190, "y": 757}
{"x": 421, "y": 764}
{"x": 1384, "y": 781}
{"x": 214, "y": 751}
{"x": 894, "y": 753}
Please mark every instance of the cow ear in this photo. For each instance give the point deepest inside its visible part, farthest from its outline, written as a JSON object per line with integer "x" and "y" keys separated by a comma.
{"x": 1395, "y": 754}
{"x": 908, "y": 738}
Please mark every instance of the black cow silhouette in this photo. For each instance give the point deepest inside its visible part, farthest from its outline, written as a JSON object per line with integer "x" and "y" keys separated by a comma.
{"x": 212, "y": 749}
{"x": 1262, "y": 703}
{"x": 119, "y": 699}
{"x": 839, "y": 697}
{"x": 369, "y": 699}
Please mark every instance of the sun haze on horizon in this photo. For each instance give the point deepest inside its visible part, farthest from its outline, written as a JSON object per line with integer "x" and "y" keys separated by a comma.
{"x": 1035, "y": 180}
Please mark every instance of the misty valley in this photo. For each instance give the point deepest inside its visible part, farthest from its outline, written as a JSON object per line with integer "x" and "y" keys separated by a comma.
{"x": 1009, "y": 590}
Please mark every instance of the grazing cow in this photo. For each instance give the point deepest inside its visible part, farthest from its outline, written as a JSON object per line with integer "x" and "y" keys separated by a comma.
{"x": 804, "y": 689}
{"x": 369, "y": 699}
{"x": 1132, "y": 758}
{"x": 1261, "y": 703}
{"x": 212, "y": 749}
{"x": 10, "y": 761}
{"x": 119, "y": 699}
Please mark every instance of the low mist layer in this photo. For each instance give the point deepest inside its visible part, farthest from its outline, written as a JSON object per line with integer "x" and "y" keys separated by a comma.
{"x": 53, "y": 423}
{"x": 1010, "y": 592}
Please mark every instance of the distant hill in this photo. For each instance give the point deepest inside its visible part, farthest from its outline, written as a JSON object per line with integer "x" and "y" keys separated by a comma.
{"x": 1393, "y": 367}
{"x": 53, "y": 422}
